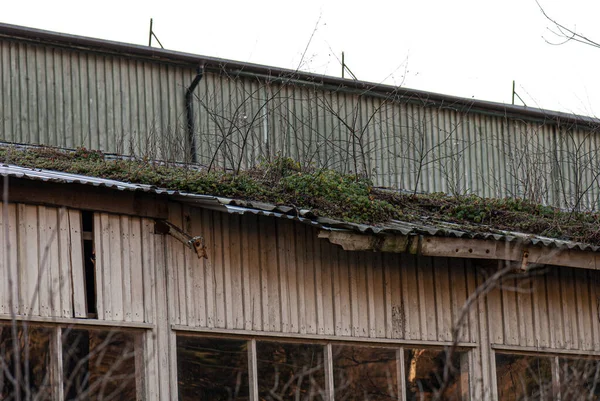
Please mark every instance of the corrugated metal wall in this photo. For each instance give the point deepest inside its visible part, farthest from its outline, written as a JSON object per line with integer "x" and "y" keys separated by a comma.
{"x": 67, "y": 97}
{"x": 398, "y": 144}
{"x": 41, "y": 266}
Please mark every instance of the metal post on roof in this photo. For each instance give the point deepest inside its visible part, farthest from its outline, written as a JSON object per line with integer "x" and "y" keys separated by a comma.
{"x": 513, "y": 93}
{"x": 345, "y": 68}
{"x": 151, "y": 34}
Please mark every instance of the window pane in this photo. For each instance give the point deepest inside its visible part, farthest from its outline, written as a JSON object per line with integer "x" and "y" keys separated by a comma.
{"x": 579, "y": 379}
{"x": 364, "y": 373}
{"x": 212, "y": 369}
{"x": 523, "y": 377}
{"x": 429, "y": 373}
{"x": 33, "y": 347}
{"x": 289, "y": 371}
{"x": 99, "y": 365}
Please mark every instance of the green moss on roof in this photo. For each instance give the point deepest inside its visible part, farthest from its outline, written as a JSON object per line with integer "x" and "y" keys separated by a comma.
{"x": 326, "y": 192}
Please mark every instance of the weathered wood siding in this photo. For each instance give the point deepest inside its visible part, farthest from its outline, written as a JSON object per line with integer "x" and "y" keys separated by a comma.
{"x": 264, "y": 274}
{"x": 267, "y": 276}
{"x": 41, "y": 263}
{"x": 557, "y": 310}
{"x": 131, "y": 287}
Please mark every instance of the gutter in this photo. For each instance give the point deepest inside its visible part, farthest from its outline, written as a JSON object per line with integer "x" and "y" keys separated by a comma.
{"x": 189, "y": 111}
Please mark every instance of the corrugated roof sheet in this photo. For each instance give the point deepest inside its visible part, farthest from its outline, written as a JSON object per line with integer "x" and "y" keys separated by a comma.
{"x": 427, "y": 227}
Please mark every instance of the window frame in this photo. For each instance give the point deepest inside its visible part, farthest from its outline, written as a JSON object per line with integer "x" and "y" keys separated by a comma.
{"x": 56, "y": 326}
{"x": 555, "y": 355}
{"x": 327, "y": 343}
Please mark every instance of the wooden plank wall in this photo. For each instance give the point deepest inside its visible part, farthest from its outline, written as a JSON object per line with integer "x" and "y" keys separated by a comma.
{"x": 122, "y": 276}
{"x": 40, "y": 262}
{"x": 131, "y": 285}
{"x": 274, "y": 276}
{"x": 557, "y": 310}
{"x": 277, "y": 276}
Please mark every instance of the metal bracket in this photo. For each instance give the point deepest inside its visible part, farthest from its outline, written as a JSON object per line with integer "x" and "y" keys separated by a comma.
{"x": 195, "y": 243}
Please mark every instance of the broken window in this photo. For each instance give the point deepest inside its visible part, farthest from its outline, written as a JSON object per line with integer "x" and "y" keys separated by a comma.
{"x": 212, "y": 369}
{"x": 365, "y": 373}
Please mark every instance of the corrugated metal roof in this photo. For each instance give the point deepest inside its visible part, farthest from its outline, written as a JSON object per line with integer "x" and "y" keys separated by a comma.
{"x": 427, "y": 227}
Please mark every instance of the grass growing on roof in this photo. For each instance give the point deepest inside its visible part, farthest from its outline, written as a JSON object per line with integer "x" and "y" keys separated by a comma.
{"x": 326, "y": 192}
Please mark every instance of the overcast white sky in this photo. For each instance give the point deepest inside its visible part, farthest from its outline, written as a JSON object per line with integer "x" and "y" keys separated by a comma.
{"x": 469, "y": 48}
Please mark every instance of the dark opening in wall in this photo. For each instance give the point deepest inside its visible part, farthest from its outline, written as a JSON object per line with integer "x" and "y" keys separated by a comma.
{"x": 89, "y": 257}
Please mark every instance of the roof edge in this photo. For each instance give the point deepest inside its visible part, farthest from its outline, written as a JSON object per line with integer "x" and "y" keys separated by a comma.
{"x": 219, "y": 64}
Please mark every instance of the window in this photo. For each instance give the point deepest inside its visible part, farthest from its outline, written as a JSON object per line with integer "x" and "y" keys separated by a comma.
{"x": 546, "y": 377}
{"x": 229, "y": 369}
{"x": 212, "y": 369}
{"x": 290, "y": 371}
{"x": 24, "y": 356}
{"x": 522, "y": 377}
{"x": 98, "y": 365}
{"x": 91, "y": 364}
{"x": 428, "y": 372}
{"x": 579, "y": 378}
{"x": 367, "y": 373}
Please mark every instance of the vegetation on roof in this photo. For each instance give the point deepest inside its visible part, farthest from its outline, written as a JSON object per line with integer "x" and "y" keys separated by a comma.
{"x": 326, "y": 192}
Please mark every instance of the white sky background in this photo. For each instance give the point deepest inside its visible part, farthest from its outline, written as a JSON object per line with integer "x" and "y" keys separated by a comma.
{"x": 468, "y": 48}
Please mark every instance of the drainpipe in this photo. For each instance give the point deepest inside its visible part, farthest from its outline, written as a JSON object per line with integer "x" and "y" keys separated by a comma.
{"x": 190, "y": 114}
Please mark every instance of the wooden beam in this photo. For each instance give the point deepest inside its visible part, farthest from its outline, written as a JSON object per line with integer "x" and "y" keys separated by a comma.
{"x": 350, "y": 241}
{"x": 86, "y": 197}
{"x": 213, "y": 331}
{"x": 467, "y": 248}
{"x": 524, "y": 256}
{"x": 91, "y": 323}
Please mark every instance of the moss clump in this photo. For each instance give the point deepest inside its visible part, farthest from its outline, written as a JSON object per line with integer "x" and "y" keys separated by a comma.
{"x": 281, "y": 181}
{"x": 328, "y": 193}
